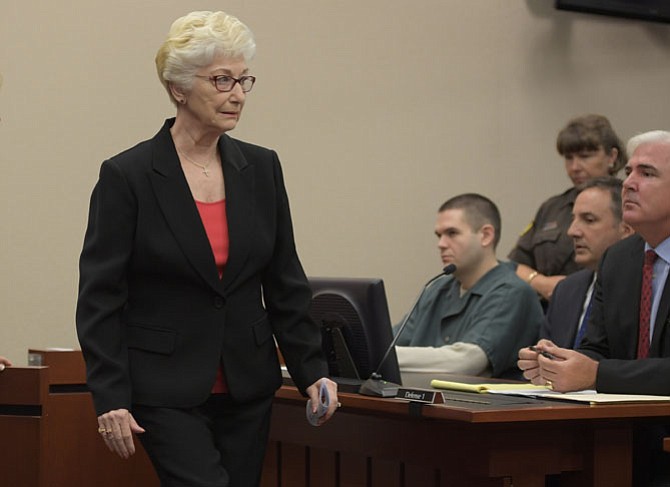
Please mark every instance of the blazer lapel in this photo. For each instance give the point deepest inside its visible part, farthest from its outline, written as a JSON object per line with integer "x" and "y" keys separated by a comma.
{"x": 240, "y": 208}
{"x": 661, "y": 323}
{"x": 179, "y": 210}
{"x": 574, "y": 305}
{"x": 634, "y": 288}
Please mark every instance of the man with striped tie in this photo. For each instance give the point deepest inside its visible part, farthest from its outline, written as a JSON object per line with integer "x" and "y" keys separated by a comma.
{"x": 626, "y": 348}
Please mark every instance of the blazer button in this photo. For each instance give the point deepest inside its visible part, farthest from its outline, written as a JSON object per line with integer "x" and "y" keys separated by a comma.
{"x": 219, "y": 302}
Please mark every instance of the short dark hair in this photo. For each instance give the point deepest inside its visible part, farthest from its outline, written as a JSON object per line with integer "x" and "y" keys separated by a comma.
{"x": 613, "y": 186}
{"x": 591, "y": 132}
{"x": 478, "y": 211}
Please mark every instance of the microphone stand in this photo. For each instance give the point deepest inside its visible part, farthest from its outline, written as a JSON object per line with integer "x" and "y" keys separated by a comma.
{"x": 376, "y": 385}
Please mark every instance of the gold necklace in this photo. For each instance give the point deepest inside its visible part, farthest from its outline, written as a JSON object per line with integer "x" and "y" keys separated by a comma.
{"x": 201, "y": 166}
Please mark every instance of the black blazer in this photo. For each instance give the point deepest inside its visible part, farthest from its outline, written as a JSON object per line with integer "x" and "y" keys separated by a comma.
{"x": 612, "y": 334}
{"x": 565, "y": 309}
{"x": 153, "y": 318}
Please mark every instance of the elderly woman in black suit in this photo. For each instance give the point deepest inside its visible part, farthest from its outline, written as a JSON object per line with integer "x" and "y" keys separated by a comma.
{"x": 189, "y": 275}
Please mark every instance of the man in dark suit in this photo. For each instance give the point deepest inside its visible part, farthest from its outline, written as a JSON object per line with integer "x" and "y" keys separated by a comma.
{"x": 626, "y": 348}
{"x": 608, "y": 358}
{"x": 596, "y": 224}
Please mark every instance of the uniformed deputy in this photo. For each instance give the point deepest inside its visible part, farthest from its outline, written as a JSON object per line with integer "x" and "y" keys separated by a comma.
{"x": 544, "y": 252}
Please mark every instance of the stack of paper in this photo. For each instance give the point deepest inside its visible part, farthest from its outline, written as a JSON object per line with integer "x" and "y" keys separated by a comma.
{"x": 544, "y": 392}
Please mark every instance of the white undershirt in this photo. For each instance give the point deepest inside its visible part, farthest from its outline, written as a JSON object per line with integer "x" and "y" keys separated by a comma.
{"x": 457, "y": 358}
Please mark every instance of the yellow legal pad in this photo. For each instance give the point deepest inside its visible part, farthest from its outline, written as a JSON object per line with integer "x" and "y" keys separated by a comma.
{"x": 462, "y": 386}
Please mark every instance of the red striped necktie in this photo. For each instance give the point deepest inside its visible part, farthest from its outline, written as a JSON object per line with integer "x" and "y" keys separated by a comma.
{"x": 645, "y": 304}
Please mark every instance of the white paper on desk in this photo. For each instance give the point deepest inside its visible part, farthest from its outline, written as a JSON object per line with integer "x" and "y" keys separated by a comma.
{"x": 531, "y": 392}
{"x": 601, "y": 398}
{"x": 589, "y": 396}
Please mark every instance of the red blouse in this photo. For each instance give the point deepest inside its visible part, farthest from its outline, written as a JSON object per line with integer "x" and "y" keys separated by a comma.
{"x": 213, "y": 216}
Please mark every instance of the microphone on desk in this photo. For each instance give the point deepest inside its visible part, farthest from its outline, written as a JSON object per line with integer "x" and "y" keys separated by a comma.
{"x": 376, "y": 385}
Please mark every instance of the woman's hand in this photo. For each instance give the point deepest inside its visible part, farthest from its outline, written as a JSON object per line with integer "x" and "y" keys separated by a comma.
{"x": 545, "y": 285}
{"x": 313, "y": 393}
{"x": 117, "y": 428}
{"x": 541, "y": 284}
{"x": 4, "y": 362}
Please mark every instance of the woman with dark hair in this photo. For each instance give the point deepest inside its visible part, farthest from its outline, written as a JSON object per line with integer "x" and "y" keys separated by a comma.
{"x": 544, "y": 253}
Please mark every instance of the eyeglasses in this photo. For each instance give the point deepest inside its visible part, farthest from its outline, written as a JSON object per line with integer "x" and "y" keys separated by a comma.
{"x": 225, "y": 83}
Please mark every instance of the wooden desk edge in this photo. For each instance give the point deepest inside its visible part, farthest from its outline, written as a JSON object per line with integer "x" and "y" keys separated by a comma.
{"x": 543, "y": 411}
{"x": 67, "y": 366}
{"x": 25, "y": 386}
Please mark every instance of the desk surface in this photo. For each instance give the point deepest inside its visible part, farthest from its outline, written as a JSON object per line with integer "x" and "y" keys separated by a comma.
{"x": 489, "y": 408}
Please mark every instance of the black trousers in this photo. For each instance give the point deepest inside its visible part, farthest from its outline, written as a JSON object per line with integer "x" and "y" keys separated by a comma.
{"x": 218, "y": 444}
{"x": 651, "y": 465}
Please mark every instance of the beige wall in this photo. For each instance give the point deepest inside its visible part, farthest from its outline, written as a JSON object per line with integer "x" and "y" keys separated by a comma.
{"x": 379, "y": 109}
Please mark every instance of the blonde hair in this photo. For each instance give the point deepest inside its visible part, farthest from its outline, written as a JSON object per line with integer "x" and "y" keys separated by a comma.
{"x": 193, "y": 42}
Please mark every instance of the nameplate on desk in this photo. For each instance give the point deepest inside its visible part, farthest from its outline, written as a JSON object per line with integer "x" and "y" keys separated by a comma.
{"x": 418, "y": 395}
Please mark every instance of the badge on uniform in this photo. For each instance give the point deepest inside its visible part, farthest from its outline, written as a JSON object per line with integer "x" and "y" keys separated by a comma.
{"x": 550, "y": 226}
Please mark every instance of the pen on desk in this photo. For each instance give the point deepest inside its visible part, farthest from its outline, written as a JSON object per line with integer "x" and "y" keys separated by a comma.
{"x": 542, "y": 352}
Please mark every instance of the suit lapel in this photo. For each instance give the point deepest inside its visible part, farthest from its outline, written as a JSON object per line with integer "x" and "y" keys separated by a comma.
{"x": 575, "y": 305}
{"x": 179, "y": 210}
{"x": 663, "y": 313}
{"x": 631, "y": 333}
{"x": 240, "y": 208}
{"x": 661, "y": 323}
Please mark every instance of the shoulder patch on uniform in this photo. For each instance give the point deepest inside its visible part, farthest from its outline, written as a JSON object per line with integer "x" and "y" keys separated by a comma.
{"x": 527, "y": 229}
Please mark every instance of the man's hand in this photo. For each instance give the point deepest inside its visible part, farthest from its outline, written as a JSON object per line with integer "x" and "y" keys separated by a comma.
{"x": 562, "y": 369}
{"x": 528, "y": 363}
{"x": 568, "y": 370}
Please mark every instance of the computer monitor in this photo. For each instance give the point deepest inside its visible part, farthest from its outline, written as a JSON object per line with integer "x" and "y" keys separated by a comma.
{"x": 356, "y": 327}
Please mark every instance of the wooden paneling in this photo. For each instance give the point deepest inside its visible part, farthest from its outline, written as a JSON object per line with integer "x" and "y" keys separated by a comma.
{"x": 323, "y": 467}
{"x": 382, "y": 442}
{"x": 24, "y": 386}
{"x": 51, "y": 437}
{"x": 371, "y": 442}
{"x": 21, "y": 451}
{"x": 65, "y": 367}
